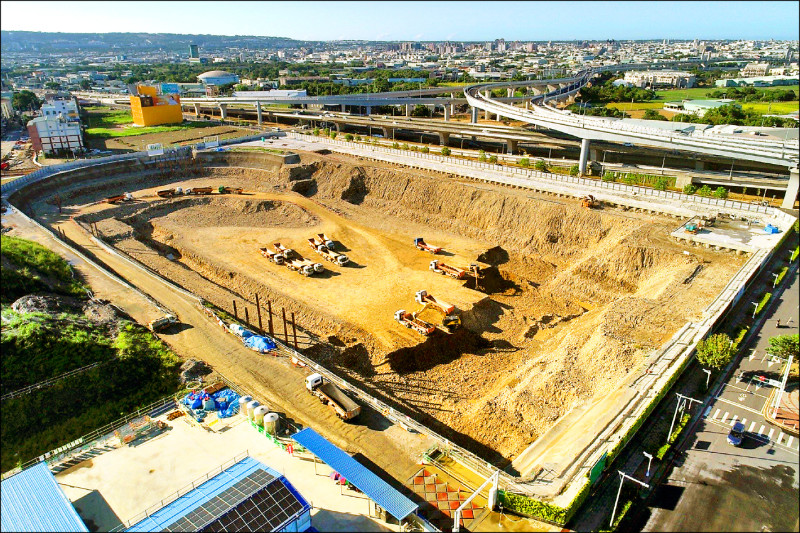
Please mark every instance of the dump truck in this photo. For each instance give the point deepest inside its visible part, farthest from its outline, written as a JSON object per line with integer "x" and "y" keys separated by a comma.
{"x": 327, "y": 253}
{"x": 199, "y": 190}
{"x": 167, "y": 193}
{"x": 410, "y": 320}
{"x": 588, "y": 201}
{"x": 161, "y": 323}
{"x": 420, "y": 243}
{"x": 344, "y": 407}
{"x": 127, "y": 197}
{"x": 293, "y": 260}
{"x": 272, "y": 256}
{"x": 450, "y": 321}
{"x": 327, "y": 241}
{"x": 229, "y": 190}
{"x": 447, "y": 270}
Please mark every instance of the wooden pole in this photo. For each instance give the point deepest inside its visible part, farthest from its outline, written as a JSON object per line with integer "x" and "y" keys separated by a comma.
{"x": 285, "y": 330}
{"x": 258, "y": 310}
{"x": 246, "y": 316}
{"x": 269, "y": 310}
{"x": 294, "y": 332}
{"x": 235, "y": 312}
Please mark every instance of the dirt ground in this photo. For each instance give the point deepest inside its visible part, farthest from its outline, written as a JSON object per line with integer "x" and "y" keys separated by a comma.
{"x": 572, "y": 300}
{"x": 178, "y": 138}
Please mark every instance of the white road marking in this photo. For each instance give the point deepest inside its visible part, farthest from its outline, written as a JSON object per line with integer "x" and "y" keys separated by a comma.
{"x": 733, "y": 420}
{"x": 780, "y": 437}
{"x": 789, "y": 441}
{"x": 771, "y": 431}
{"x": 761, "y": 431}
{"x": 724, "y": 417}
{"x": 716, "y": 413}
{"x": 752, "y": 425}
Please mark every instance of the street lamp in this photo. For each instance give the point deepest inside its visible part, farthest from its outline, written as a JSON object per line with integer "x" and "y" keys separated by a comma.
{"x": 649, "y": 462}
{"x": 680, "y": 406}
{"x": 622, "y": 478}
{"x": 755, "y": 308}
{"x": 708, "y": 376}
{"x": 775, "y": 275}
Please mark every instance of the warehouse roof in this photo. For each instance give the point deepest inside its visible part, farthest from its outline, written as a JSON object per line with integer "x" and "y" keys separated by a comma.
{"x": 33, "y": 501}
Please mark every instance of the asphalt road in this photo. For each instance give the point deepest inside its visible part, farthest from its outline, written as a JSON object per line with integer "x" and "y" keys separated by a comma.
{"x": 753, "y": 487}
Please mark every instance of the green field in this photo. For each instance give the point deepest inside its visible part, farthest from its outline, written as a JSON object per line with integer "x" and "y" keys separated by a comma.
{"x": 107, "y": 117}
{"x": 776, "y": 108}
{"x": 673, "y": 95}
{"x": 110, "y": 133}
{"x": 676, "y": 95}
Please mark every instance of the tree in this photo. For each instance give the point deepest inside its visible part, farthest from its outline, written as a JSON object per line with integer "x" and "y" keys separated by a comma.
{"x": 482, "y": 156}
{"x": 524, "y": 162}
{"x": 574, "y": 170}
{"x": 652, "y": 114}
{"x": 540, "y": 165}
{"x": 721, "y": 192}
{"x": 348, "y": 137}
{"x": 25, "y": 101}
{"x": 333, "y": 134}
{"x": 86, "y": 85}
{"x": 689, "y": 189}
{"x": 784, "y": 346}
{"x": 715, "y": 351}
{"x": 52, "y": 85}
{"x": 445, "y": 151}
{"x": 493, "y": 159}
{"x": 705, "y": 190}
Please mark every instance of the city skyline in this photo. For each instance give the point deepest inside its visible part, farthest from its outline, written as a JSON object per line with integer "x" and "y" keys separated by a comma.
{"x": 419, "y": 21}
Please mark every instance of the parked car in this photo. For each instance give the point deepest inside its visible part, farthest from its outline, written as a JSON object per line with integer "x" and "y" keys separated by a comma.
{"x": 736, "y": 435}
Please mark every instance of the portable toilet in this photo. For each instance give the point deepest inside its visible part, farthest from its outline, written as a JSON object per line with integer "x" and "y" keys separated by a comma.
{"x": 251, "y": 408}
{"x": 258, "y": 414}
{"x": 272, "y": 423}
{"x": 243, "y": 400}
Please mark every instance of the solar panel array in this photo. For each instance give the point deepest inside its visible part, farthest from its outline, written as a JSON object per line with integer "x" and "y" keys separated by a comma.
{"x": 266, "y": 510}
{"x": 224, "y": 502}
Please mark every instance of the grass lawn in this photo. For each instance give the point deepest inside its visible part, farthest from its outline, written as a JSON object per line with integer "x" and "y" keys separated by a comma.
{"x": 110, "y": 133}
{"x": 100, "y": 118}
{"x": 671, "y": 95}
{"x": 776, "y": 108}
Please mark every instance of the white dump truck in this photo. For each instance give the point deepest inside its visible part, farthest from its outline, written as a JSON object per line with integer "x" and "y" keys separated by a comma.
{"x": 344, "y": 407}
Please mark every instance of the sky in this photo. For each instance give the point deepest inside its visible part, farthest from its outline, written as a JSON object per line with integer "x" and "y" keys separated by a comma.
{"x": 479, "y": 20}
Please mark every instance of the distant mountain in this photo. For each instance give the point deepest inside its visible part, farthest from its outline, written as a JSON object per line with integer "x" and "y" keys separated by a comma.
{"x": 121, "y": 42}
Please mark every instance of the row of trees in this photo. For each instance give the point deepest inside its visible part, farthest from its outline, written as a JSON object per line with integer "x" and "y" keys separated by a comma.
{"x": 751, "y": 94}
{"x": 733, "y": 114}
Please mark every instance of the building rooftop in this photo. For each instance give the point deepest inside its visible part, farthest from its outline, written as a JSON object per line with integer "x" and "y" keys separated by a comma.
{"x": 215, "y": 74}
{"x": 33, "y": 501}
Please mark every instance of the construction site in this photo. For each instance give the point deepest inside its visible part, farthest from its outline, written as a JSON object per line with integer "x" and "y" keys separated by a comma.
{"x": 483, "y": 312}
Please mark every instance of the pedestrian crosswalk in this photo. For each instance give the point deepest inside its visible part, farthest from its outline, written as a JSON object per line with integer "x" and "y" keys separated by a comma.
{"x": 783, "y": 439}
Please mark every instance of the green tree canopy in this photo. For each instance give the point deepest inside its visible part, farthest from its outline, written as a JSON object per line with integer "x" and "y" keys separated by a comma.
{"x": 715, "y": 351}
{"x": 25, "y": 101}
{"x": 783, "y": 346}
{"x": 86, "y": 85}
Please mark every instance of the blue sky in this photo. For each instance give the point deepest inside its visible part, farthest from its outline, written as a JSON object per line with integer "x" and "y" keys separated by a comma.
{"x": 399, "y": 21}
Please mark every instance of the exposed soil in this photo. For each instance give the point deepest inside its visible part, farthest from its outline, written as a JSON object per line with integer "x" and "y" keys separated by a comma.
{"x": 571, "y": 299}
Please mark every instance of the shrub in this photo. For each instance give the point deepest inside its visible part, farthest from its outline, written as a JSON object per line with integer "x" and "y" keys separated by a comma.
{"x": 396, "y": 146}
{"x": 315, "y": 131}
{"x": 530, "y": 507}
{"x": 333, "y": 134}
{"x": 326, "y": 132}
{"x": 721, "y": 192}
{"x": 574, "y": 170}
{"x": 358, "y": 138}
{"x": 631, "y": 179}
{"x": 493, "y": 159}
{"x": 763, "y": 302}
{"x": 661, "y": 183}
{"x": 348, "y": 137}
{"x": 424, "y": 149}
{"x": 446, "y": 151}
{"x": 689, "y": 189}
{"x": 524, "y": 162}
{"x": 705, "y": 190}
{"x": 414, "y": 148}
{"x": 540, "y": 165}
{"x": 404, "y": 146}
{"x": 482, "y": 156}
{"x": 609, "y": 176}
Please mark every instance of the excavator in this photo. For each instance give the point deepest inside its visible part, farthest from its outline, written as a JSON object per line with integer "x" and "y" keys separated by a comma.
{"x": 588, "y": 201}
{"x": 450, "y": 321}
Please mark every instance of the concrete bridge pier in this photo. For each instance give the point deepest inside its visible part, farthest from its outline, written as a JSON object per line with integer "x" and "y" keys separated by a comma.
{"x": 258, "y": 112}
{"x": 388, "y": 133}
{"x": 791, "y": 190}
{"x": 487, "y": 94}
{"x": 584, "y": 156}
{"x": 444, "y": 137}
{"x": 223, "y": 111}
{"x": 344, "y": 107}
{"x": 699, "y": 165}
{"x": 369, "y": 110}
{"x": 512, "y": 146}
{"x": 510, "y": 92}
{"x": 474, "y": 118}
{"x": 196, "y": 110}
{"x": 447, "y": 111}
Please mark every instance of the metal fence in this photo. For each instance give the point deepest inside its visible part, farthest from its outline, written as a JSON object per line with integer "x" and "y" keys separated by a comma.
{"x": 50, "y": 382}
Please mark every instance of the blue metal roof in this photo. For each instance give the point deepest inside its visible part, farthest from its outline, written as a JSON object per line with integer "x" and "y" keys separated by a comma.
{"x": 367, "y": 482}
{"x": 33, "y": 501}
{"x": 193, "y": 499}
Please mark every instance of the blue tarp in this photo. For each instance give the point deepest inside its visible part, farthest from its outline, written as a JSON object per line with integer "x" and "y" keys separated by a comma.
{"x": 259, "y": 343}
{"x": 240, "y": 331}
{"x": 365, "y": 480}
{"x": 769, "y": 228}
{"x": 226, "y": 401}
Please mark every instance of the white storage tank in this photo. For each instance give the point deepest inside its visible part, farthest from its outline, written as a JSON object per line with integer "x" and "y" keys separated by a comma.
{"x": 243, "y": 400}
{"x": 272, "y": 423}
{"x": 259, "y": 413}
{"x": 251, "y": 408}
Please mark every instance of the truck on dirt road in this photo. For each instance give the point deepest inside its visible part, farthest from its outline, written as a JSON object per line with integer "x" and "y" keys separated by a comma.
{"x": 329, "y": 255}
{"x": 410, "y": 320}
{"x": 420, "y": 243}
{"x": 344, "y": 407}
{"x": 447, "y": 270}
{"x": 294, "y": 262}
{"x": 272, "y": 256}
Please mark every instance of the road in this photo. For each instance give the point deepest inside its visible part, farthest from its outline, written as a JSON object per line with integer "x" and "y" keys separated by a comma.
{"x": 754, "y": 487}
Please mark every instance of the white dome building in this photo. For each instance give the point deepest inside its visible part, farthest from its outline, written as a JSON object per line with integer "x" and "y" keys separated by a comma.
{"x": 217, "y": 77}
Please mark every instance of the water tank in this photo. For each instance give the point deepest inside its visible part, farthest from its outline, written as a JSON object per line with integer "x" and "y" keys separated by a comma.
{"x": 209, "y": 404}
{"x": 251, "y": 407}
{"x": 243, "y": 404}
{"x": 259, "y": 413}
{"x": 272, "y": 423}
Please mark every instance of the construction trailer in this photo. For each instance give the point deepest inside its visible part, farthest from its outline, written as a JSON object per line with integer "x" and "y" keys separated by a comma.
{"x": 327, "y": 241}
{"x": 447, "y": 270}
{"x": 294, "y": 262}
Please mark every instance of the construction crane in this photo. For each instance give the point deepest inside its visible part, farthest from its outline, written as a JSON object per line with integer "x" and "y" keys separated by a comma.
{"x": 449, "y": 320}
{"x": 420, "y": 243}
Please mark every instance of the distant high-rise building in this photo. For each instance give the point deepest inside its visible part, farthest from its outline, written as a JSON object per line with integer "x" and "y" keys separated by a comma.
{"x": 194, "y": 51}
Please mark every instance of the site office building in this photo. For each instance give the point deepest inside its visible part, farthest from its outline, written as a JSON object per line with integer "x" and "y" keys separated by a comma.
{"x": 153, "y": 106}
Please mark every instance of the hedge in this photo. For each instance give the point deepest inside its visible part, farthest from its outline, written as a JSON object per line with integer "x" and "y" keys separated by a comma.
{"x": 763, "y": 302}
{"x": 547, "y": 512}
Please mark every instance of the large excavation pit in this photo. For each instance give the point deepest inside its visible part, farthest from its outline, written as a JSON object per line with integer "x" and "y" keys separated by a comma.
{"x": 572, "y": 300}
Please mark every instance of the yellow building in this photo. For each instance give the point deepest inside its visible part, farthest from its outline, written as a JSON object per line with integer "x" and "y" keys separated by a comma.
{"x": 151, "y": 108}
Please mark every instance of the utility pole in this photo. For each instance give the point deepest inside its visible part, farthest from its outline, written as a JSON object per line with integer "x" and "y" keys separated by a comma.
{"x": 622, "y": 478}
{"x": 783, "y": 386}
{"x": 680, "y": 406}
